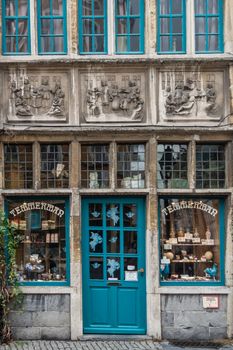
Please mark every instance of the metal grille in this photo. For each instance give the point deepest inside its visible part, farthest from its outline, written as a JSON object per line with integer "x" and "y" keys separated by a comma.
{"x": 196, "y": 344}
{"x": 131, "y": 165}
{"x": 172, "y": 167}
{"x": 18, "y": 166}
{"x": 55, "y": 166}
{"x": 95, "y": 166}
{"x": 210, "y": 166}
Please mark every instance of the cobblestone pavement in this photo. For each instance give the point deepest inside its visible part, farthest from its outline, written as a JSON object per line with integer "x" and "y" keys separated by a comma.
{"x": 103, "y": 345}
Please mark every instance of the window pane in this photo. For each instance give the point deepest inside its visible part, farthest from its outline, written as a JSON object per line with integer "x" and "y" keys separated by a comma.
{"x": 22, "y": 26}
{"x": 10, "y": 27}
{"x": 213, "y": 42}
{"x": 190, "y": 240}
{"x": 42, "y": 254}
{"x": 10, "y": 8}
{"x": 10, "y": 44}
{"x": 45, "y": 7}
{"x": 135, "y": 43}
{"x": 87, "y": 7}
{"x": 99, "y": 26}
{"x": 164, "y": 25}
{"x": 87, "y": 43}
{"x": 122, "y": 44}
{"x": 176, "y": 6}
{"x": 57, "y": 7}
{"x": 45, "y": 43}
{"x": 45, "y": 26}
{"x": 122, "y": 26}
{"x": 213, "y": 25}
{"x": 165, "y": 43}
{"x": 99, "y": 43}
{"x": 58, "y": 26}
{"x": 200, "y": 43}
{"x": 121, "y": 7}
{"x": 134, "y": 26}
{"x": 200, "y": 25}
{"x": 23, "y": 44}
{"x": 177, "y": 25}
{"x": 134, "y": 7}
{"x": 164, "y": 7}
{"x": 99, "y": 7}
{"x": 200, "y": 7}
{"x": 177, "y": 43}
{"x": 22, "y": 7}
{"x": 213, "y": 6}
{"x": 87, "y": 26}
{"x": 58, "y": 44}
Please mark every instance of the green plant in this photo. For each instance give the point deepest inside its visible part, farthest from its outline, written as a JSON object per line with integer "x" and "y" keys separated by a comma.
{"x": 9, "y": 288}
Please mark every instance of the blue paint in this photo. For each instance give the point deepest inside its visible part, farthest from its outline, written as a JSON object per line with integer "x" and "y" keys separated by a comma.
{"x": 51, "y": 18}
{"x": 16, "y": 17}
{"x": 170, "y": 16}
{"x": 109, "y": 308}
{"x": 127, "y": 37}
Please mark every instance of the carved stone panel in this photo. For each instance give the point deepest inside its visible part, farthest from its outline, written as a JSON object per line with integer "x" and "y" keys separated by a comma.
{"x": 37, "y": 97}
{"x": 191, "y": 96}
{"x": 113, "y": 97}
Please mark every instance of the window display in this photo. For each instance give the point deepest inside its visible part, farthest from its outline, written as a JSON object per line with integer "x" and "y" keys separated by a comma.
{"x": 42, "y": 254}
{"x": 191, "y": 241}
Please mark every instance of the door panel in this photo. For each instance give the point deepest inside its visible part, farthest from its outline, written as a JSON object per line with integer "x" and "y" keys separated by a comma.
{"x": 113, "y": 247}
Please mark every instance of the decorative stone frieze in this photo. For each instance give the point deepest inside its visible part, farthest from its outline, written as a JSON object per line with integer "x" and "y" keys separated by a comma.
{"x": 191, "y": 95}
{"x": 113, "y": 97}
{"x": 37, "y": 96}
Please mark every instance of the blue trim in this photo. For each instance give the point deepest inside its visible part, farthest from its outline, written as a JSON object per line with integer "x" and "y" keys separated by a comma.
{"x": 67, "y": 236}
{"x": 221, "y": 240}
{"x": 127, "y": 35}
{"x": 206, "y": 34}
{"x": 170, "y": 34}
{"x": 51, "y": 34}
{"x": 93, "y": 34}
{"x": 17, "y": 36}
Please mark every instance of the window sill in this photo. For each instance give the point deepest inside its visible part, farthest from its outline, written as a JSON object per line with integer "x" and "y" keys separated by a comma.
{"x": 194, "y": 289}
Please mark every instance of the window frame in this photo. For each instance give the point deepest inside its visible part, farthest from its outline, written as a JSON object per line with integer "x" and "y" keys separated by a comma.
{"x": 222, "y": 240}
{"x": 51, "y": 36}
{"x": 128, "y": 35}
{"x": 67, "y": 235}
{"x": 92, "y": 17}
{"x": 16, "y": 18}
{"x": 206, "y": 16}
{"x": 170, "y": 34}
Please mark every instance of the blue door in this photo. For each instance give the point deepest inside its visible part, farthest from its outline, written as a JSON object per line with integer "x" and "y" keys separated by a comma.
{"x": 113, "y": 246}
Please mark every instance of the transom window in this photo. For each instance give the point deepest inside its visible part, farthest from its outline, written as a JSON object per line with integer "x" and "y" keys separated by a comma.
{"x": 93, "y": 26}
{"x": 129, "y": 26}
{"x": 18, "y": 166}
{"x": 95, "y": 166}
{"x": 172, "y": 166}
{"x": 208, "y": 26}
{"x": 16, "y": 27}
{"x": 171, "y": 26}
{"x": 52, "y": 26}
{"x": 210, "y": 166}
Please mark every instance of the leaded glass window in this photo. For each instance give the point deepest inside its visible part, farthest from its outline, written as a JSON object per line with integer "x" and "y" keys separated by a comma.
{"x": 55, "y": 166}
{"x": 95, "y": 166}
{"x": 210, "y": 166}
{"x": 18, "y": 166}
{"x": 208, "y": 26}
{"x": 131, "y": 165}
{"x": 172, "y": 166}
{"x": 16, "y": 27}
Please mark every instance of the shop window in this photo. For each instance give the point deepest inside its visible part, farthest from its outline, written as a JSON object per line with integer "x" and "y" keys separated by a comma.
{"x": 55, "y": 166}
{"x": 172, "y": 166}
{"x": 171, "y": 26}
{"x": 43, "y": 226}
{"x": 131, "y": 165}
{"x": 95, "y": 166}
{"x": 52, "y": 36}
{"x": 210, "y": 166}
{"x": 208, "y": 26}
{"x": 16, "y": 27}
{"x": 18, "y": 166}
{"x": 192, "y": 240}
{"x": 93, "y": 26}
{"x": 129, "y": 23}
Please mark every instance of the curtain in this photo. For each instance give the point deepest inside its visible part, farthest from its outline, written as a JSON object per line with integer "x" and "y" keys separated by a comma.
{"x": 122, "y": 26}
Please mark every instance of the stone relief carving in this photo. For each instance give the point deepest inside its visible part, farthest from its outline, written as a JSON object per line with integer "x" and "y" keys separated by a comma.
{"x": 113, "y": 97}
{"x": 37, "y": 97}
{"x": 192, "y": 95}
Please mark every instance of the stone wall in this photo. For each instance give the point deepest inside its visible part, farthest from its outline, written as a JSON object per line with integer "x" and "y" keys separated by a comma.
{"x": 42, "y": 316}
{"x": 183, "y": 317}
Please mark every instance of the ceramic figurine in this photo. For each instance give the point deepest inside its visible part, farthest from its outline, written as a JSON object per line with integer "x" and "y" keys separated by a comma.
{"x": 181, "y": 232}
{"x": 196, "y": 234}
{"x": 208, "y": 233}
{"x": 208, "y": 255}
{"x": 211, "y": 271}
{"x": 164, "y": 270}
{"x": 172, "y": 233}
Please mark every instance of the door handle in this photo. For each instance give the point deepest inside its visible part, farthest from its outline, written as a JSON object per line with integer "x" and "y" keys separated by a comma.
{"x": 141, "y": 270}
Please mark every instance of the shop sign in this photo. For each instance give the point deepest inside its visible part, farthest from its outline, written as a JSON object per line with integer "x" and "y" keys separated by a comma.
{"x": 210, "y": 301}
{"x": 37, "y": 206}
{"x": 189, "y": 205}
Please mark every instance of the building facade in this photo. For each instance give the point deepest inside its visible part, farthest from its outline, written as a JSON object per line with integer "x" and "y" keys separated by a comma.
{"x": 116, "y": 165}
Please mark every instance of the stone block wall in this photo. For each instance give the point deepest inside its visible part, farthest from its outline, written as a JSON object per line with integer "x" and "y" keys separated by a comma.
{"x": 42, "y": 316}
{"x": 183, "y": 317}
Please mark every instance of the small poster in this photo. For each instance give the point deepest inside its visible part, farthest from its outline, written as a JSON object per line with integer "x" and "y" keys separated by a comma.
{"x": 131, "y": 275}
{"x": 210, "y": 301}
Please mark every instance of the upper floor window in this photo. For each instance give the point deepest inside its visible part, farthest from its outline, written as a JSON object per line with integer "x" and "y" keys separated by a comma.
{"x": 129, "y": 26}
{"x": 16, "y": 27}
{"x": 208, "y": 26}
{"x": 171, "y": 26}
{"x": 93, "y": 26}
{"x": 52, "y": 27}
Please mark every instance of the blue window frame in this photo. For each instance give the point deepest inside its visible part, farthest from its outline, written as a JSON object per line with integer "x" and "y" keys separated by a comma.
{"x": 93, "y": 26}
{"x": 192, "y": 240}
{"x": 129, "y": 26}
{"x": 171, "y": 26}
{"x": 52, "y": 36}
{"x": 208, "y": 26}
{"x": 43, "y": 257}
{"x": 16, "y": 27}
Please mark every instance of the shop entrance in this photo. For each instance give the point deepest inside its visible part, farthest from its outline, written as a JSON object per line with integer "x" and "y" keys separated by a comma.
{"x": 114, "y": 282}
